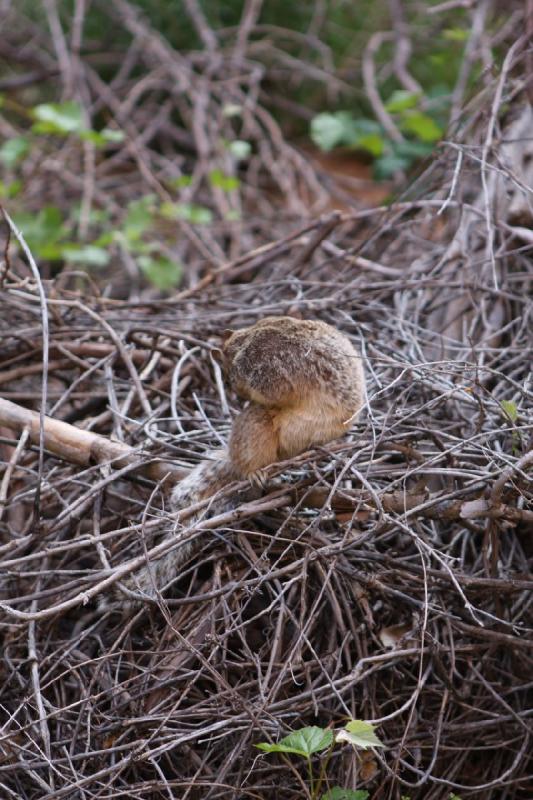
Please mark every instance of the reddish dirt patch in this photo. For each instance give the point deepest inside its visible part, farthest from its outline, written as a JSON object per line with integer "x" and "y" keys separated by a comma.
{"x": 348, "y": 178}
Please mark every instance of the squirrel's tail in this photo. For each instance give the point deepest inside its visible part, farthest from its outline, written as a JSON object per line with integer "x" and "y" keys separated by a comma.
{"x": 203, "y": 482}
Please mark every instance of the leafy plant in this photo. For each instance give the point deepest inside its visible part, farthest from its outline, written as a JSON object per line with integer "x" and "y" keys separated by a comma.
{"x": 47, "y": 233}
{"x": 162, "y": 272}
{"x": 14, "y": 150}
{"x": 11, "y": 189}
{"x": 342, "y": 128}
{"x": 221, "y": 181}
{"x": 239, "y": 149}
{"x": 510, "y": 409}
{"x": 67, "y": 118}
{"x": 307, "y": 742}
{"x": 190, "y": 212}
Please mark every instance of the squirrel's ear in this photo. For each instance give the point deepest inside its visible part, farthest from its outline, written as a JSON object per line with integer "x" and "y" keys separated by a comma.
{"x": 226, "y": 334}
{"x": 218, "y": 355}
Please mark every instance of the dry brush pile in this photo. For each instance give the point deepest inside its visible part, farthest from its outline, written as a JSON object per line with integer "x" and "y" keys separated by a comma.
{"x": 386, "y": 577}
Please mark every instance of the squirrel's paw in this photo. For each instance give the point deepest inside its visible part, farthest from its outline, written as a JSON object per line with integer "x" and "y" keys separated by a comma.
{"x": 258, "y": 479}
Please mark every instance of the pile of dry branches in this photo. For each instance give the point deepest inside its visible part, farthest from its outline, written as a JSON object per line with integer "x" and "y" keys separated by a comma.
{"x": 386, "y": 577}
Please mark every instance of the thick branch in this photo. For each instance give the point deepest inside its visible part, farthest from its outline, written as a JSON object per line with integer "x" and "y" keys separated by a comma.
{"x": 78, "y": 446}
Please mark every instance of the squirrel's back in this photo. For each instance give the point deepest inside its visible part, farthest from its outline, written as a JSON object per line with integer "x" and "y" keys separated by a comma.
{"x": 280, "y": 361}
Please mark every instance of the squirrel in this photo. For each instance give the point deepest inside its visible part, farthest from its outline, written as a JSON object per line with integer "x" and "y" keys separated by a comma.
{"x": 304, "y": 383}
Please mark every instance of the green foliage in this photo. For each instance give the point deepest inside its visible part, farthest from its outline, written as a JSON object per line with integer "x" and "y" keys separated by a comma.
{"x": 510, "y": 409}
{"x": 44, "y": 232}
{"x": 345, "y": 794}
{"x": 389, "y": 165}
{"x": 8, "y": 190}
{"x": 139, "y": 218}
{"x": 179, "y": 183}
{"x": 190, "y": 212}
{"x": 303, "y": 742}
{"x": 88, "y": 254}
{"x": 58, "y": 118}
{"x": 422, "y": 126}
{"x": 162, "y": 272}
{"x": 330, "y": 130}
{"x": 49, "y": 233}
{"x": 359, "y": 734}
{"x": 103, "y": 137}
{"x": 307, "y": 742}
{"x": 342, "y": 128}
{"x": 455, "y": 34}
{"x": 64, "y": 119}
{"x": 343, "y": 30}
{"x": 401, "y": 100}
{"x": 221, "y": 181}
{"x": 14, "y": 150}
{"x": 239, "y": 149}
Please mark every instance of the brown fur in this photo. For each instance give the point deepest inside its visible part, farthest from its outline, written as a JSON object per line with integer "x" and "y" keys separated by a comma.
{"x": 305, "y": 384}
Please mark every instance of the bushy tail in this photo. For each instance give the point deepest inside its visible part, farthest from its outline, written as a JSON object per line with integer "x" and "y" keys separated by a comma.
{"x": 205, "y": 481}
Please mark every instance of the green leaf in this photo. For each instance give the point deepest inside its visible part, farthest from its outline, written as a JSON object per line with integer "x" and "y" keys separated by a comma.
{"x": 231, "y": 110}
{"x": 412, "y": 150}
{"x": 222, "y": 181}
{"x": 10, "y": 189}
{"x": 373, "y": 143}
{"x": 61, "y": 118}
{"x": 89, "y": 254}
{"x": 49, "y": 252}
{"x": 327, "y": 130}
{"x": 198, "y": 215}
{"x": 510, "y": 409}
{"x": 162, "y": 272}
{"x": 455, "y": 34}
{"x": 337, "y": 793}
{"x": 43, "y": 231}
{"x": 239, "y": 149}
{"x": 94, "y": 137}
{"x": 341, "y": 128}
{"x": 303, "y": 742}
{"x": 101, "y": 138}
{"x": 387, "y": 166}
{"x": 97, "y": 216}
{"x": 179, "y": 183}
{"x": 401, "y": 100}
{"x": 112, "y": 135}
{"x": 139, "y": 218}
{"x": 360, "y": 127}
{"x": 14, "y": 150}
{"x": 359, "y": 734}
{"x": 105, "y": 239}
{"x": 422, "y": 126}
